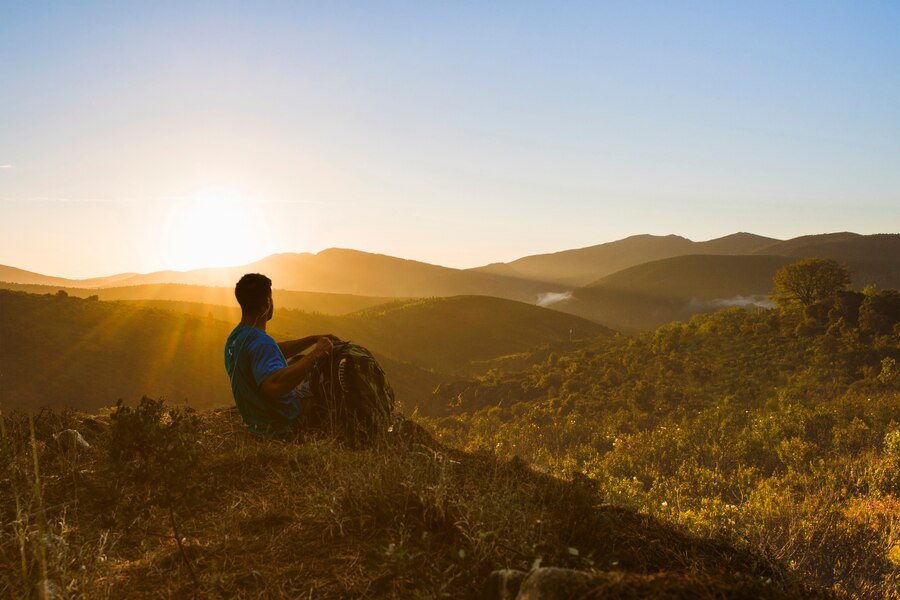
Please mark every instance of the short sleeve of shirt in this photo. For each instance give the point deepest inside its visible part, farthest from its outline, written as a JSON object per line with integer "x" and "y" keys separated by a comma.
{"x": 266, "y": 358}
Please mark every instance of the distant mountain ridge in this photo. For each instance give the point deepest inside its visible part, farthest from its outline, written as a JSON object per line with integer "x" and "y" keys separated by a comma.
{"x": 705, "y": 276}
{"x": 334, "y": 271}
{"x": 582, "y": 266}
{"x": 345, "y": 271}
{"x": 616, "y": 284}
{"x": 15, "y": 275}
{"x": 872, "y": 259}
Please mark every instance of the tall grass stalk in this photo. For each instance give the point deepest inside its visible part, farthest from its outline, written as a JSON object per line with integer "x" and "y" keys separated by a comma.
{"x": 20, "y": 529}
{"x": 43, "y": 590}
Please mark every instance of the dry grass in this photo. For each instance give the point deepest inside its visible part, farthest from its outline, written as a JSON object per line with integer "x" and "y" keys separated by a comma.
{"x": 314, "y": 519}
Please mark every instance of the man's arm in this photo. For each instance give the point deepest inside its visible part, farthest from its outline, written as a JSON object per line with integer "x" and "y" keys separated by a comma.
{"x": 285, "y": 379}
{"x": 292, "y": 347}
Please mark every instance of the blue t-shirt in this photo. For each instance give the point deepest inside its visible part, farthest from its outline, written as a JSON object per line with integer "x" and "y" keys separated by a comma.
{"x": 251, "y": 355}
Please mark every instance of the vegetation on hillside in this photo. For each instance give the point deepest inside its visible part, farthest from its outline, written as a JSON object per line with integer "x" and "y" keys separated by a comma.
{"x": 331, "y": 304}
{"x": 649, "y": 295}
{"x": 872, "y": 258}
{"x": 453, "y": 334}
{"x": 85, "y": 353}
{"x": 775, "y": 428}
{"x": 62, "y": 351}
{"x": 763, "y": 442}
{"x": 443, "y": 335}
{"x": 630, "y": 285}
{"x": 160, "y": 502}
{"x": 699, "y": 276}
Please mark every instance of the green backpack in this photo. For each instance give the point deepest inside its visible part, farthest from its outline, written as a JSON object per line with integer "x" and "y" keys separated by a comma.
{"x": 358, "y": 401}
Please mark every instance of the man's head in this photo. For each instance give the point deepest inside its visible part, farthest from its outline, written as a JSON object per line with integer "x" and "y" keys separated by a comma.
{"x": 254, "y": 294}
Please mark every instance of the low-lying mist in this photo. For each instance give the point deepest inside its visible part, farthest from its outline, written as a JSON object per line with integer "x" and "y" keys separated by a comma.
{"x": 549, "y": 298}
{"x": 755, "y": 301}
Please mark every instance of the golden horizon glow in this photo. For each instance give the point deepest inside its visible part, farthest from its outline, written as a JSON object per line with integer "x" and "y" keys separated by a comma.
{"x": 215, "y": 227}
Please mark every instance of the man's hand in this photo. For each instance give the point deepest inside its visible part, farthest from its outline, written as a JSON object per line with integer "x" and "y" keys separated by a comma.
{"x": 324, "y": 345}
{"x": 293, "y": 347}
{"x": 283, "y": 380}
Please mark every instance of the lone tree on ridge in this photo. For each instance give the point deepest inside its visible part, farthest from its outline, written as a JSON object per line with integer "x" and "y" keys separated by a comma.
{"x": 809, "y": 280}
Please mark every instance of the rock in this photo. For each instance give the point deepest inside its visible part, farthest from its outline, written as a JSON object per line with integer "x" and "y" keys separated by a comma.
{"x": 548, "y": 583}
{"x": 504, "y": 584}
{"x": 50, "y": 590}
{"x": 551, "y": 583}
{"x": 70, "y": 441}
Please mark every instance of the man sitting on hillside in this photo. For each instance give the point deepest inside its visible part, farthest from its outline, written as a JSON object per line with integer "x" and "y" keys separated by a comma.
{"x": 271, "y": 395}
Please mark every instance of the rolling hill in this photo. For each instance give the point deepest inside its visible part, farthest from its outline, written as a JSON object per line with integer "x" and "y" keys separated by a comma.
{"x": 451, "y": 336}
{"x": 334, "y": 271}
{"x": 872, "y": 259}
{"x": 652, "y": 294}
{"x": 603, "y": 283}
{"x": 700, "y": 276}
{"x": 21, "y": 276}
{"x": 584, "y": 265}
{"x": 332, "y": 304}
{"x": 340, "y": 271}
{"x": 86, "y": 354}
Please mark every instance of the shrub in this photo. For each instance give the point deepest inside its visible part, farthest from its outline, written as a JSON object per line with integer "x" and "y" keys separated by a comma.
{"x": 153, "y": 452}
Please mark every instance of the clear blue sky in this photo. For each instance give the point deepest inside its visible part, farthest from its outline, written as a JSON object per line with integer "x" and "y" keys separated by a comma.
{"x": 140, "y": 136}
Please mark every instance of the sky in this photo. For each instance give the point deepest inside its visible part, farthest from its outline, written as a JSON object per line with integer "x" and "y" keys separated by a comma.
{"x": 141, "y": 136}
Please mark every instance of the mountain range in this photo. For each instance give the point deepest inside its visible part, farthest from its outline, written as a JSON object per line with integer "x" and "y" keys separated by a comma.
{"x": 631, "y": 284}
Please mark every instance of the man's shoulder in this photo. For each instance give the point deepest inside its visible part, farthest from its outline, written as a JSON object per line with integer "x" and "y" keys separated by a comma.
{"x": 252, "y": 337}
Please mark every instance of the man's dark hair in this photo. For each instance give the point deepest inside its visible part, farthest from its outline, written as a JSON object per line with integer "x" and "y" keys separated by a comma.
{"x": 252, "y": 291}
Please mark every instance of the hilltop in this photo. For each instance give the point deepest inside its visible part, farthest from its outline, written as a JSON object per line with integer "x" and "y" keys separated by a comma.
{"x": 315, "y": 519}
{"x": 98, "y": 352}
{"x": 629, "y": 285}
{"x": 777, "y": 428}
{"x": 579, "y": 267}
{"x": 649, "y": 295}
{"x": 873, "y": 258}
{"x": 317, "y": 302}
{"x": 333, "y": 271}
{"x": 84, "y": 354}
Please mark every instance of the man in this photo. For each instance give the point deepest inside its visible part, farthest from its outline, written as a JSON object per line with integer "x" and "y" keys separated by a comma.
{"x": 271, "y": 395}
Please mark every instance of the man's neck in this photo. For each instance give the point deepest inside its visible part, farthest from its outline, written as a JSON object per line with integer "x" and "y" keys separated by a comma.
{"x": 250, "y": 322}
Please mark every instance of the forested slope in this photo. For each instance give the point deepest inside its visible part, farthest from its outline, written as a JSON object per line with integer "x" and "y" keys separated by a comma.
{"x": 62, "y": 351}
{"x": 778, "y": 428}
{"x": 84, "y": 353}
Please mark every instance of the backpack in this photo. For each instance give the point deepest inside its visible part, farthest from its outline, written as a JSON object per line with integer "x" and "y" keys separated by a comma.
{"x": 356, "y": 397}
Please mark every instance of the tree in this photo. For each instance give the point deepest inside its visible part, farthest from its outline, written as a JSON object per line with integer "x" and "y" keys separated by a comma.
{"x": 880, "y": 311}
{"x": 809, "y": 280}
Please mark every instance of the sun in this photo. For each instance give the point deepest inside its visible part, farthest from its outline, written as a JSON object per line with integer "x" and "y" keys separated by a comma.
{"x": 214, "y": 228}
